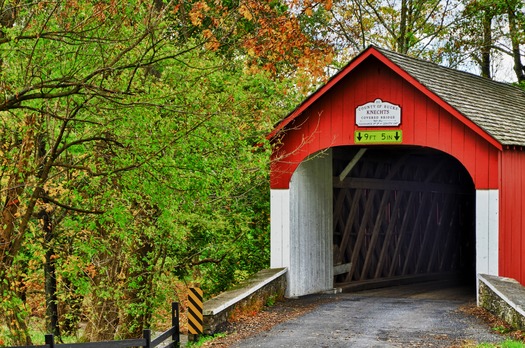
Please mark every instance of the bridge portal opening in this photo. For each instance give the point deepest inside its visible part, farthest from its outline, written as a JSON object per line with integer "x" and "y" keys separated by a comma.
{"x": 402, "y": 214}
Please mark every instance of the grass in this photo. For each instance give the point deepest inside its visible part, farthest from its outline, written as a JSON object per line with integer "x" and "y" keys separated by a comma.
{"x": 204, "y": 339}
{"x": 37, "y": 334}
{"x": 502, "y": 329}
{"x": 504, "y": 344}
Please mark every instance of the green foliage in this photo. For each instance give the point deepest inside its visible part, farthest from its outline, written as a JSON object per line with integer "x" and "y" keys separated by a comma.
{"x": 505, "y": 344}
{"x": 415, "y": 28}
{"x": 270, "y": 301}
{"x": 502, "y": 329}
{"x": 134, "y": 153}
{"x": 145, "y": 151}
{"x": 204, "y": 339}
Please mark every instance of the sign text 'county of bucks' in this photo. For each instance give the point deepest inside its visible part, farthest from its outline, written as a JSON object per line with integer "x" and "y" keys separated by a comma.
{"x": 378, "y": 114}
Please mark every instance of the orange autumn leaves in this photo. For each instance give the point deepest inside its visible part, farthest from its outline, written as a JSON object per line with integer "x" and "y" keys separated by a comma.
{"x": 271, "y": 37}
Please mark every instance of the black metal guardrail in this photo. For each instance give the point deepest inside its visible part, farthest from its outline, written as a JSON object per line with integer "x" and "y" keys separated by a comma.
{"x": 173, "y": 333}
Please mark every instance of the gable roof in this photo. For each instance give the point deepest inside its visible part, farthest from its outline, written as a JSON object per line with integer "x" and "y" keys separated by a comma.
{"x": 498, "y": 108}
{"x": 494, "y": 110}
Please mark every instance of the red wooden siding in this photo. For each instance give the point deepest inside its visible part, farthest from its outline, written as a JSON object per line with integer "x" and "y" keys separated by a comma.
{"x": 512, "y": 215}
{"x": 330, "y": 121}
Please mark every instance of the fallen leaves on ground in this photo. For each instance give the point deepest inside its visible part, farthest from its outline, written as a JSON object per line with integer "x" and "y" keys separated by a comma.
{"x": 496, "y": 323}
{"x": 250, "y": 325}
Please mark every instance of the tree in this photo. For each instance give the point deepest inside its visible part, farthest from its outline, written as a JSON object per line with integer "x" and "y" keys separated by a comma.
{"x": 489, "y": 31}
{"x": 131, "y": 131}
{"x": 411, "y": 27}
{"x": 516, "y": 18}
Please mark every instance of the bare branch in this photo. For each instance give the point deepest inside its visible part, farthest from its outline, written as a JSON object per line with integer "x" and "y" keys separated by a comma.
{"x": 67, "y": 207}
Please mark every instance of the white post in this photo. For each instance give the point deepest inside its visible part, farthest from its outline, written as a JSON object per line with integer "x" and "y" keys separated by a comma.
{"x": 487, "y": 233}
{"x": 280, "y": 228}
{"x": 311, "y": 227}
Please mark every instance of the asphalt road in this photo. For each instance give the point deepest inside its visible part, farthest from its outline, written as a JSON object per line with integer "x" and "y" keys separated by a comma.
{"x": 406, "y": 316}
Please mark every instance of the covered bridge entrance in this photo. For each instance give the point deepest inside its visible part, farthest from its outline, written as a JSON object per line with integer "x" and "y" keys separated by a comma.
{"x": 399, "y": 169}
{"x": 401, "y": 214}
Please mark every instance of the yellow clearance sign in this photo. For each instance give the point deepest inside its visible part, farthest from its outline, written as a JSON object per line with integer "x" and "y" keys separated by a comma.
{"x": 378, "y": 137}
{"x": 195, "y": 316}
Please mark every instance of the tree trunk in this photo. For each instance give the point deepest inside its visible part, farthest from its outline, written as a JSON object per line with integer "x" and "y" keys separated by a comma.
{"x": 402, "y": 39}
{"x": 514, "y": 38}
{"x": 70, "y": 310}
{"x": 50, "y": 282}
{"x": 50, "y": 279}
{"x": 487, "y": 44}
{"x": 11, "y": 234}
{"x": 104, "y": 314}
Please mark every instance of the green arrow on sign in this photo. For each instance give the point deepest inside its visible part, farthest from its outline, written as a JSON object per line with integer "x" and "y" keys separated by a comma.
{"x": 379, "y": 137}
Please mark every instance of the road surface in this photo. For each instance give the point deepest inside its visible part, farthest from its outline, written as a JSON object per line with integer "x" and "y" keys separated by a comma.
{"x": 405, "y": 316}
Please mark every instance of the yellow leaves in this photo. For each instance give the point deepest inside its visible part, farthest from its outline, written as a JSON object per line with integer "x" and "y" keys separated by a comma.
{"x": 308, "y": 5}
{"x": 198, "y": 12}
{"x": 207, "y": 33}
{"x": 245, "y": 12}
{"x": 212, "y": 43}
{"x": 308, "y": 11}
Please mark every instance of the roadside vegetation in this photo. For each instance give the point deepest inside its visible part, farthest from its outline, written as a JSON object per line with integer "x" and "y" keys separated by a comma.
{"x": 505, "y": 344}
{"x": 133, "y": 153}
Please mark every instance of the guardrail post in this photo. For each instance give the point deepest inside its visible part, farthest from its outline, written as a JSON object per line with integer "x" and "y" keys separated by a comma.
{"x": 147, "y": 337}
{"x": 50, "y": 340}
{"x": 175, "y": 323}
{"x": 195, "y": 317}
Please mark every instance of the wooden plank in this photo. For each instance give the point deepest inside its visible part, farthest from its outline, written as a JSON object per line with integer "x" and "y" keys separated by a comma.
{"x": 367, "y": 216}
{"x": 415, "y": 228}
{"x": 375, "y": 232}
{"x": 426, "y": 195}
{"x": 450, "y": 235}
{"x": 141, "y": 342}
{"x": 399, "y": 185}
{"x": 360, "y": 235}
{"x": 427, "y": 232}
{"x": 450, "y": 205}
{"x": 348, "y": 225}
{"x": 338, "y": 223}
{"x": 388, "y": 235}
{"x": 402, "y": 233}
{"x": 398, "y": 280}
{"x": 163, "y": 337}
{"x": 342, "y": 268}
{"x": 352, "y": 163}
{"x": 370, "y": 248}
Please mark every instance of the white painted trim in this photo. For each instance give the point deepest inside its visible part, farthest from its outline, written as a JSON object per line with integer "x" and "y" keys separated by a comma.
{"x": 493, "y": 232}
{"x": 280, "y": 228}
{"x": 487, "y": 232}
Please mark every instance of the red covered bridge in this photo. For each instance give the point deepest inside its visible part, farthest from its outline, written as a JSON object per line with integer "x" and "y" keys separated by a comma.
{"x": 399, "y": 169}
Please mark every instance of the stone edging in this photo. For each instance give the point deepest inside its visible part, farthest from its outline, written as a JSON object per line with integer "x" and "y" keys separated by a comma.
{"x": 503, "y": 297}
{"x": 252, "y": 293}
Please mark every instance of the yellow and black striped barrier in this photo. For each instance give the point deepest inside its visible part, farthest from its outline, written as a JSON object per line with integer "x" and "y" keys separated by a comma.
{"x": 195, "y": 316}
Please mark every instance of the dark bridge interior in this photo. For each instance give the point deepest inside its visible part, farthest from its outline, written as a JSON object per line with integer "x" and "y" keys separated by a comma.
{"x": 401, "y": 215}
